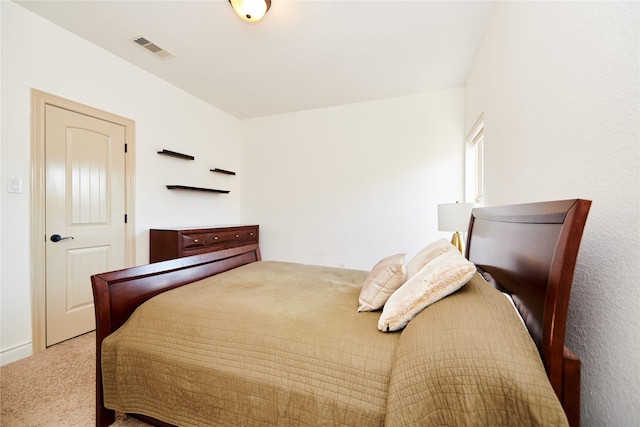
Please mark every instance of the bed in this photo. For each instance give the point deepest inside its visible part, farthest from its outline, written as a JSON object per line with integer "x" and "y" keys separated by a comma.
{"x": 253, "y": 342}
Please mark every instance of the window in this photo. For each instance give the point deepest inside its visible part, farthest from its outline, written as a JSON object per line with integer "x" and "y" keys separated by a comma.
{"x": 475, "y": 162}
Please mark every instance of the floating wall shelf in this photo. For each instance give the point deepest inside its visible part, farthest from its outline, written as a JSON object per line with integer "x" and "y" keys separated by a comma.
{"x": 222, "y": 171}
{"x": 186, "y": 187}
{"x": 174, "y": 154}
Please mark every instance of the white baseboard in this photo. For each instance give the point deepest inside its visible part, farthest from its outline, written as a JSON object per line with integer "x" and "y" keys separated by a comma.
{"x": 16, "y": 353}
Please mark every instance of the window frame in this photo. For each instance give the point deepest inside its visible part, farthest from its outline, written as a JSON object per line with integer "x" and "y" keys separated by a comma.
{"x": 475, "y": 166}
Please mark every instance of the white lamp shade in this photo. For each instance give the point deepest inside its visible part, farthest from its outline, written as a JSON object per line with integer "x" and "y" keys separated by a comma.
{"x": 454, "y": 216}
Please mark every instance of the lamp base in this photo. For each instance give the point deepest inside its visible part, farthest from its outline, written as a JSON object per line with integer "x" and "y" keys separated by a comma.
{"x": 456, "y": 241}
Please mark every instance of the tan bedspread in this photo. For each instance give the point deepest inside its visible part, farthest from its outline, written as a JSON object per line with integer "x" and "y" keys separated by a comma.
{"x": 275, "y": 343}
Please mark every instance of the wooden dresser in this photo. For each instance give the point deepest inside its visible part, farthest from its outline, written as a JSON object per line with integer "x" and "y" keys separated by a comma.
{"x": 173, "y": 243}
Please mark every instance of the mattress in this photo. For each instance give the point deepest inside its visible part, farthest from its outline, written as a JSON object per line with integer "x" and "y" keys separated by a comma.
{"x": 274, "y": 343}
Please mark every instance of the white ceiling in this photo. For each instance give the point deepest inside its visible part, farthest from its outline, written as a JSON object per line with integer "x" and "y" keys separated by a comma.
{"x": 304, "y": 54}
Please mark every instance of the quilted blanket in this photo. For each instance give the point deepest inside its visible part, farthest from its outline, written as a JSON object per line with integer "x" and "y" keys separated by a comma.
{"x": 274, "y": 343}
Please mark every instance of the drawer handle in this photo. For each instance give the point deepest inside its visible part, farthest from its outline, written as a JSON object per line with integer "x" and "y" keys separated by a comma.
{"x": 237, "y": 235}
{"x": 195, "y": 240}
{"x": 215, "y": 238}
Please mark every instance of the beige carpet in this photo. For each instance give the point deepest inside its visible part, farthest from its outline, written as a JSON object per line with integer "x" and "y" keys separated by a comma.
{"x": 54, "y": 388}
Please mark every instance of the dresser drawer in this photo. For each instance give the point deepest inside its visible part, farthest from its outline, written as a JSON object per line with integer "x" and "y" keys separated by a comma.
{"x": 223, "y": 237}
{"x": 250, "y": 234}
{"x": 193, "y": 240}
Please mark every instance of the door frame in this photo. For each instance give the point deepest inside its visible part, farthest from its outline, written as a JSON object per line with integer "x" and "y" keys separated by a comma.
{"x": 39, "y": 101}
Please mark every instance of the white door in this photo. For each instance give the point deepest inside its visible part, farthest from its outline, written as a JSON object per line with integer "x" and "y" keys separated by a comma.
{"x": 85, "y": 215}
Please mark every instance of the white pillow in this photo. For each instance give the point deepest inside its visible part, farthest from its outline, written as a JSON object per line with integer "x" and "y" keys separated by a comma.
{"x": 428, "y": 254}
{"x": 439, "y": 278}
{"x": 385, "y": 277}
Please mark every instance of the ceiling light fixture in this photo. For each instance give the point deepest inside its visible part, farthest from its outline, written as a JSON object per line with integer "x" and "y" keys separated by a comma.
{"x": 250, "y": 10}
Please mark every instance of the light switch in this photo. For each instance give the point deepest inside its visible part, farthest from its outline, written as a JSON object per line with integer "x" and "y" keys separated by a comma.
{"x": 14, "y": 184}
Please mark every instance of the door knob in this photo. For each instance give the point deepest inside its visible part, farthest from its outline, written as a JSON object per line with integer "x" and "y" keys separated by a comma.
{"x": 57, "y": 238}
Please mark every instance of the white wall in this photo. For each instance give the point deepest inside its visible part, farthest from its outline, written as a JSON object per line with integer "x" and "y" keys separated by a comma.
{"x": 354, "y": 183}
{"x": 558, "y": 85}
{"x": 37, "y": 54}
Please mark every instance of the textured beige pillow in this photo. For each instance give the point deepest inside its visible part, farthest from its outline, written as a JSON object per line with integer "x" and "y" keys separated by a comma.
{"x": 385, "y": 277}
{"x": 439, "y": 278}
{"x": 427, "y": 254}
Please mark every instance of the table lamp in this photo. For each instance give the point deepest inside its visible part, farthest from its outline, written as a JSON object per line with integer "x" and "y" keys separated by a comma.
{"x": 454, "y": 217}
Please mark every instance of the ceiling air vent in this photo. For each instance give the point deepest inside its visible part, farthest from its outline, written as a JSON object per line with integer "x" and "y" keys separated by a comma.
{"x": 151, "y": 47}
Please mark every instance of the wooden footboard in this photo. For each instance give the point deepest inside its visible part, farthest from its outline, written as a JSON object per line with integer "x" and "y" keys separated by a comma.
{"x": 117, "y": 294}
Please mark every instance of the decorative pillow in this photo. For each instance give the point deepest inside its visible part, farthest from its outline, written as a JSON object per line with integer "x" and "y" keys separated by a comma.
{"x": 439, "y": 278}
{"x": 385, "y": 277}
{"x": 427, "y": 254}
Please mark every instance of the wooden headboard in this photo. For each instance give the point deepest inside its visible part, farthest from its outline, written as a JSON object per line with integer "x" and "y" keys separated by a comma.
{"x": 529, "y": 251}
